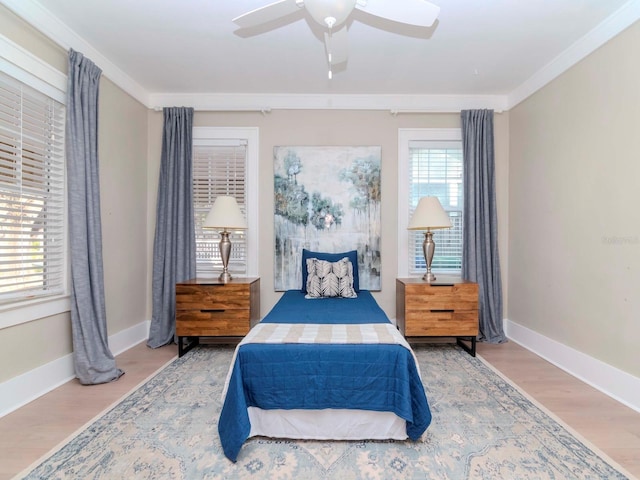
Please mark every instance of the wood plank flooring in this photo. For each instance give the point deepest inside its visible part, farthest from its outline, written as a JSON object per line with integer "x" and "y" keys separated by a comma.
{"x": 604, "y": 422}
{"x": 35, "y": 429}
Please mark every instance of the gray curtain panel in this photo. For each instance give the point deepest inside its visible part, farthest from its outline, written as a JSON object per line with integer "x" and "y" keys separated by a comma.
{"x": 480, "y": 260}
{"x": 174, "y": 248}
{"x": 94, "y": 362}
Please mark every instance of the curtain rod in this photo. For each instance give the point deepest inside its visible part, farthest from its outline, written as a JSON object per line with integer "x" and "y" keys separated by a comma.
{"x": 263, "y": 111}
{"x": 396, "y": 112}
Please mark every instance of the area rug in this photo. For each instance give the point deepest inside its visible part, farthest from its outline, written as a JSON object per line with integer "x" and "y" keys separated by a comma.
{"x": 483, "y": 428}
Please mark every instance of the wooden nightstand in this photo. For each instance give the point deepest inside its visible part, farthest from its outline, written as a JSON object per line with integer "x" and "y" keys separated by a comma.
{"x": 211, "y": 308}
{"x": 447, "y": 307}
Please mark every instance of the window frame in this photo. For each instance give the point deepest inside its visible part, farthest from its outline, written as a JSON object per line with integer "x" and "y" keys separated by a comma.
{"x": 250, "y": 135}
{"x": 405, "y": 137}
{"x": 25, "y": 67}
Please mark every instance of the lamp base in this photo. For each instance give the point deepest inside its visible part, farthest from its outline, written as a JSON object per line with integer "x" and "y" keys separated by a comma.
{"x": 225, "y": 253}
{"x": 428, "y": 248}
{"x": 225, "y": 277}
{"x": 429, "y": 277}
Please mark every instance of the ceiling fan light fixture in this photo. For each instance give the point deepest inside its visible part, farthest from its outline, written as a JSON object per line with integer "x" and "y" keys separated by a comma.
{"x": 329, "y": 13}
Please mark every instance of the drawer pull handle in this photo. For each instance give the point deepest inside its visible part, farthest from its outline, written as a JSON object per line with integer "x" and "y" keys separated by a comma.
{"x": 442, "y": 285}
{"x": 442, "y": 311}
{"x": 213, "y": 310}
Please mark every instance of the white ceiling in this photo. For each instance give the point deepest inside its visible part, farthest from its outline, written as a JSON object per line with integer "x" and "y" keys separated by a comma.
{"x": 476, "y": 48}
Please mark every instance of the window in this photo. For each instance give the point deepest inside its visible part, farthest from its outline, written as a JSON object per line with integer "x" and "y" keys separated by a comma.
{"x": 218, "y": 170}
{"x": 224, "y": 163}
{"x": 430, "y": 165}
{"x": 32, "y": 228}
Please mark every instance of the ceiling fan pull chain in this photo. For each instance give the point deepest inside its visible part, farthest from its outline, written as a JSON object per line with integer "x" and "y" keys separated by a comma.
{"x": 329, "y": 53}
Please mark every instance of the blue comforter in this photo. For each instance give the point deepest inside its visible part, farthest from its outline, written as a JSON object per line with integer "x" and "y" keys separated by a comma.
{"x": 380, "y": 377}
{"x": 294, "y": 308}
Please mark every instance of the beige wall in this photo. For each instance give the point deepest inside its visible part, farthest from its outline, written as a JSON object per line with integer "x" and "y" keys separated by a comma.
{"x": 574, "y": 227}
{"x": 123, "y": 170}
{"x": 123, "y": 182}
{"x": 329, "y": 127}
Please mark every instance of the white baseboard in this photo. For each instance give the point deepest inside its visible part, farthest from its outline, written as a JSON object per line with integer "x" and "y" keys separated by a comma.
{"x": 20, "y": 390}
{"x": 126, "y": 339}
{"x": 610, "y": 380}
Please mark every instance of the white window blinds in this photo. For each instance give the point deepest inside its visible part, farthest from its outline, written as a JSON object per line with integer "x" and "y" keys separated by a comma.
{"x": 435, "y": 169}
{"x": 32, "y": 252}
{"x": 219, "y": 168}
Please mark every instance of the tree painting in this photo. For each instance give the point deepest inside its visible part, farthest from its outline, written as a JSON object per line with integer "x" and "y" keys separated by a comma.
{"x": 326, "y": 199}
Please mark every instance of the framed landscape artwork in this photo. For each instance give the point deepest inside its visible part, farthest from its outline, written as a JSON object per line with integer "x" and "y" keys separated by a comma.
{"x": 327, "y": 199}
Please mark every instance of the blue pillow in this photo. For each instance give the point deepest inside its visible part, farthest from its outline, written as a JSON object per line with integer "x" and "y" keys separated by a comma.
{"x": 330, "y": 257}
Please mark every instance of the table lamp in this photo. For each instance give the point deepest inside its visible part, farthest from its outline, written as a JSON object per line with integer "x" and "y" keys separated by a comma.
{"x": 225, "y": 215}
{"x": 429, "y": 215}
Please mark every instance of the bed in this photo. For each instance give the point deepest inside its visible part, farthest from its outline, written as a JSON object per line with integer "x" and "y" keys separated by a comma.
{"x": 323, "y": 367}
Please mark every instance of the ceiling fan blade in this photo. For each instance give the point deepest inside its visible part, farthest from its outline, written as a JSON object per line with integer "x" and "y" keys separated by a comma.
{"x": 419, "y": 13}
{"x": 266, "y": 14}
{"x": 337, "y": 45}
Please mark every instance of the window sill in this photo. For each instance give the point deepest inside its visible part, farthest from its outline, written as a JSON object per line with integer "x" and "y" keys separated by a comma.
{"x": 26, "y": 311}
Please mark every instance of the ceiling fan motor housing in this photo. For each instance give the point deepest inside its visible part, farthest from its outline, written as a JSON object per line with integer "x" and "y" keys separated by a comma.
{"x": 329, "y": 13}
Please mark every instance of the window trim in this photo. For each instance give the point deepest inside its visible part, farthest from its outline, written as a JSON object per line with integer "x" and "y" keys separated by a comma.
{"x": 34, "y": 72}
{"x": 251, "y": 135}
{"x": 406, "y": 135}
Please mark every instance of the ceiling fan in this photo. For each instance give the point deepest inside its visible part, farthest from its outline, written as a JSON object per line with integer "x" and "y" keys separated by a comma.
{"x": 333, "y": 14}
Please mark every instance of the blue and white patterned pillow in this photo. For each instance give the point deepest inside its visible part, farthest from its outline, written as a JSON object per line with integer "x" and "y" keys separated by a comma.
{"x": 352, "y": 255}
{"x": 330, "y": 279}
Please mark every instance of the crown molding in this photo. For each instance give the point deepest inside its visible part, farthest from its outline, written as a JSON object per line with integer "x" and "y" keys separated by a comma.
{"x": 623, "y": 18}
{"x": 48, "y": 24}
{"x": 266, "y": 102}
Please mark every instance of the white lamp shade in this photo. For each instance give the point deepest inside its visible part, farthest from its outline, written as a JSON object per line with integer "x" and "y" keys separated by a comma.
{"x": 429, "y": 215}
{"x": 225, "y": 214}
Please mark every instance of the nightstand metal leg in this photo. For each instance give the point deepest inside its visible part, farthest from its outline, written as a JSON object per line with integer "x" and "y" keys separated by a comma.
{"x": 471, "y": 350}
{"x": 186, "y": 343}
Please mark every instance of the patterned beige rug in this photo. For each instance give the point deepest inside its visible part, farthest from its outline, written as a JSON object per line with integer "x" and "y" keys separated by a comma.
{"x": 483, "y": 428}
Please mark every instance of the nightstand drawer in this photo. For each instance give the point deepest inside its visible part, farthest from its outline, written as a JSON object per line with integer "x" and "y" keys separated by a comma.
{"x": 444, "y": 302}
{"x": 441, "y": 323}
{"x": 212, "y": 323}
{"x": 212, "y": 297}
{"x": 445, "y": 297}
